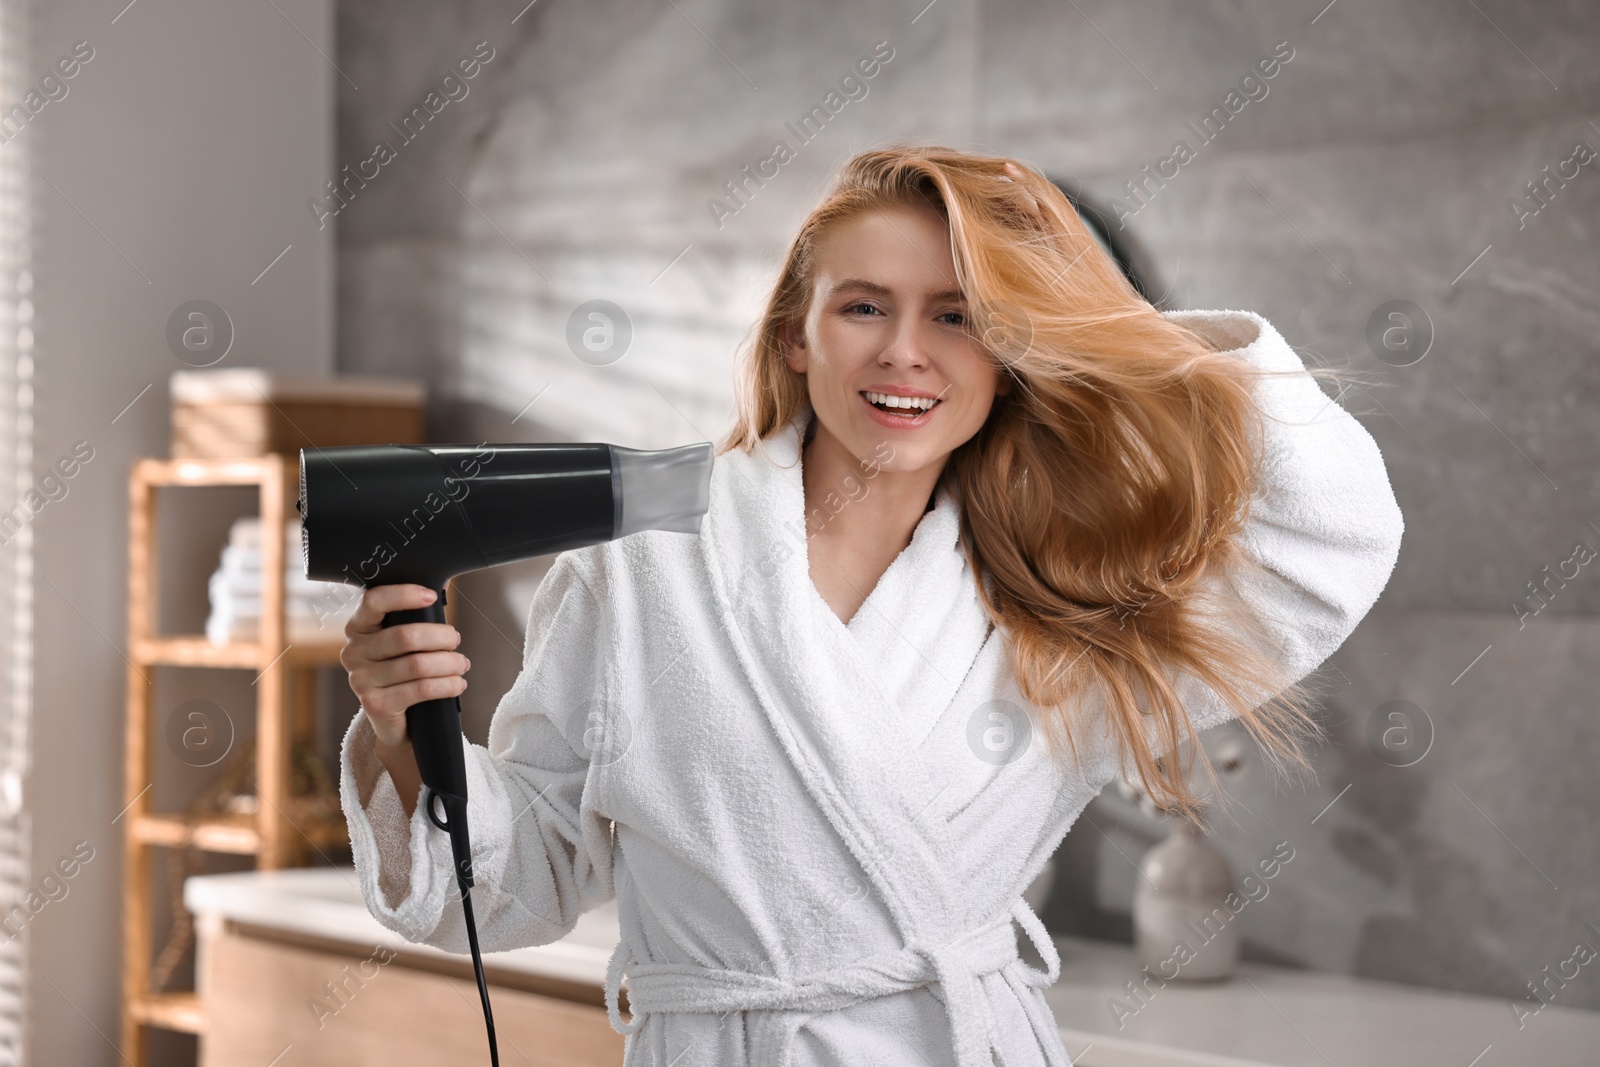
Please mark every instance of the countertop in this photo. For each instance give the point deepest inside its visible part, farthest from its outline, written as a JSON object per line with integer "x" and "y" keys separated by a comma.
{"x": 325, "y": 902}
{"x": 1289, "y": 1018}
{"x": 1262, "y": 1017}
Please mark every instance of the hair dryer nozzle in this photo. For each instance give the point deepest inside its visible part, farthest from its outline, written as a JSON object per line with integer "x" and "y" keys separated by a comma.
{"x": 665, "y": 490}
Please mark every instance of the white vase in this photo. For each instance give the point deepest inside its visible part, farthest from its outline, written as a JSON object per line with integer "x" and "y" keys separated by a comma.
{"x": 1183, "y": 929}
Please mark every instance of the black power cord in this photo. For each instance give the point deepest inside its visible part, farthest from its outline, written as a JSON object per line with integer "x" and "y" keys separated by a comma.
{"x": 477, "y": 967}
{"x": 456, "y": 817}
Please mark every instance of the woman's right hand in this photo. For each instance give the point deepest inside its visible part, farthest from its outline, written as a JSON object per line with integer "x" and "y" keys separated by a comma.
{"x": 393, "y": 668}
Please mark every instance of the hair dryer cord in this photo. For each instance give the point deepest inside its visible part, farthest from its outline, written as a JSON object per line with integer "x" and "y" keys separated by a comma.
{"x": 455, "y": 824}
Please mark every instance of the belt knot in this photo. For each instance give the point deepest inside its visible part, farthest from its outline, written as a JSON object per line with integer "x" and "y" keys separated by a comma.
{"x": 784, "y": 1003}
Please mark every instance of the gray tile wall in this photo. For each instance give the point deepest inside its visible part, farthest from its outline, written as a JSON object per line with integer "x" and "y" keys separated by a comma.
{"x": 1383, "y": 161}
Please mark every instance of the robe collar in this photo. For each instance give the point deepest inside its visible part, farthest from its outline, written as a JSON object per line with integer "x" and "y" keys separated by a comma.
{"x": 922, "y": 604}
{"x": 863, "y": 713}
{"x": 853, "y": 705}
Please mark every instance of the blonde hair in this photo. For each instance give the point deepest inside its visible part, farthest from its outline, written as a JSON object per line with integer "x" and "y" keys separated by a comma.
{"x": 1101, "y": 497}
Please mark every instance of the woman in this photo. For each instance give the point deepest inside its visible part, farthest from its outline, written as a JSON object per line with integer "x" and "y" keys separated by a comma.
{"x": 989, "y": 532}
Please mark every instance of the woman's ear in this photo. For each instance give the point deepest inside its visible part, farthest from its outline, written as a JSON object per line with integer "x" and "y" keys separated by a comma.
{"x": 1003, "y": 386}
{"x": 794, "y": 347}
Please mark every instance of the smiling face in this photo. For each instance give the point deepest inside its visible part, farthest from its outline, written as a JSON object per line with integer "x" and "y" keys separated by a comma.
{"x": 886, "y": 333}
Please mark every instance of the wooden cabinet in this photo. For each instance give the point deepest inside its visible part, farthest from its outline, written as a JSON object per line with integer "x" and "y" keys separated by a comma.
{"x": 272, "y": 1000}
{"x": 292, "y": 964}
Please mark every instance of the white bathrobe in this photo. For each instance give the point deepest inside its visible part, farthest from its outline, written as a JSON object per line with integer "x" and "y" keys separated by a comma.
{"x": 821, "y": 831}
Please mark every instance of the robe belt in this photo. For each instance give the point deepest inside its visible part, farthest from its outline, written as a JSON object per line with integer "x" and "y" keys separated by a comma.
{"x": 785, "y": 1002}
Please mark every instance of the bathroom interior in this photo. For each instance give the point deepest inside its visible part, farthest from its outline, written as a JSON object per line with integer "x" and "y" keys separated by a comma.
{"x": 398, "y": 220}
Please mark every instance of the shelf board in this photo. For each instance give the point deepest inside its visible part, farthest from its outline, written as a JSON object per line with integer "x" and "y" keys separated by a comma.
{"x": 233, "y": 833}
{"x": 171, "y": 1011}
{"x": 243, "y": 470}
{"x": 190, "y": 650}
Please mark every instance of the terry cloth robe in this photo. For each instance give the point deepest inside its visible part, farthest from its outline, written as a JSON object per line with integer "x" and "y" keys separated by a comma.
{"x": 822, "y": 831}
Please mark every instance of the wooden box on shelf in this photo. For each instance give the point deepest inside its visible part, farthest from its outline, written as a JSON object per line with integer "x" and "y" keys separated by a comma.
{"x": 248, "y": 411}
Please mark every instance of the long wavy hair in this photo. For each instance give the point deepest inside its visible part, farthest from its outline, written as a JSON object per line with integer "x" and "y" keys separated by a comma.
{"x": 1101, "y": 498}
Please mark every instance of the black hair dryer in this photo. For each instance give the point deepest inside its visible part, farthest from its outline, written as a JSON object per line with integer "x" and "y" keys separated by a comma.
{"x": 401, "y": 514}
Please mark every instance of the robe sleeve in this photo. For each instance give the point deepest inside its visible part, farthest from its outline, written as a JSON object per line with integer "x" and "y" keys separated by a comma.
{"x": 1324, "y": 523}
{"x": 541, "y": 853}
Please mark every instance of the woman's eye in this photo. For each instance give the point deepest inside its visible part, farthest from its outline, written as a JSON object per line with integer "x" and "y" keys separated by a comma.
{"x": 858, "y": 307}
{"x": 961, "y": 318}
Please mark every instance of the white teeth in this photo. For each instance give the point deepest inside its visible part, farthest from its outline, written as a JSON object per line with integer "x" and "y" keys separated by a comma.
{"x": 920, "y": 403}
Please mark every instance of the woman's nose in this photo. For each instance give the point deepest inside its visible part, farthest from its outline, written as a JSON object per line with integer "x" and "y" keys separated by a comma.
{"x": 908, "y": 347}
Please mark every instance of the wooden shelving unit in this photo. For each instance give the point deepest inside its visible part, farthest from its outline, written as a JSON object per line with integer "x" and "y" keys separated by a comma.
{"x": 278, "y": 834}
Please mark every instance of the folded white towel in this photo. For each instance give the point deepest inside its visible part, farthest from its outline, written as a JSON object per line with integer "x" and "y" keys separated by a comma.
{"x": 234, "y": 591}
{"x": 299, "y": 630}
{"x": 245, "y": 532}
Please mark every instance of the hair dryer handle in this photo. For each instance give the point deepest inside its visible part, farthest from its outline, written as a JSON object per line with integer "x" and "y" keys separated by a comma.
{"x": 434, "y": 729}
